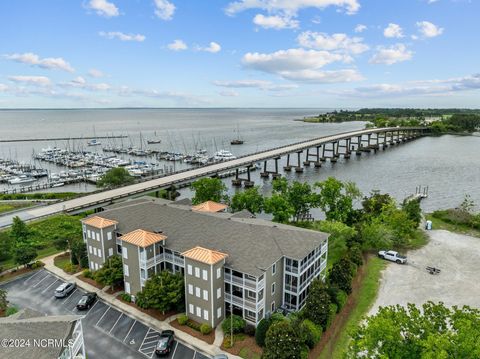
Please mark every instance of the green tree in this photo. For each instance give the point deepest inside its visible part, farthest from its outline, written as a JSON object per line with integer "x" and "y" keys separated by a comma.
{"x": 24, "y": 253}
{"x": 250, "y": 199}
{"x": 279, "y": 207}
{"x": 341, "y": 236}
{"x": 78, "y": 250}
{"x": 376, "y": 235}
{"x": 111, "y": 273}
{"x": 264, "y": 325}
{"x": 3, "y": 300}
{"x": 336, "y": 199}
{"x": 432, "y": 331}
{"x": 19, "y": 230}
{"x": 467, "y": 204}
{"x": 283, "y": 342}
{"x": 209, "y": 189}
{"x": 317, "y": 303}
{"x": 413, "y": 211}
{"x": 6, "y": 245}
{"x": 374, "y": 205}
{"x": 164, "y": 291}
{"x": 341, "y": 275}
{"x": 115, "y": 177}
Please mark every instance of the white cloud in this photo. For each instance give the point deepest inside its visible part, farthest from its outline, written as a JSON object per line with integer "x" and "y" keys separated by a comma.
{"x": 432, "y": 1}
{"x": 3, "y": 88}
{"x": 275, "y": 22}
{"x": 391, "y": 55}
{"x": 260, "y": 84}
{"x": 360, "y": 28}
{"x": 301, "y": 65}
{"x": 51, "y": 63}
{"x": 31, "y": 80}
{"x": 290, "y": 7}
{"x": 177, "y": 45}
{"x": 341, "y": 42}
{"x": 121, "y": 36}
{"x": 103, "y": 8}
{"x": 427, "y": 29}
{"x": 415, "y": 88}
{"x": 95, "y": 73}
{"x": 229, "y": 93}
{"x": 213, "y": 48}
{"x": 80, "y": 83}
{"x": 393, "y": 30}
{"x": 164, "y": 9}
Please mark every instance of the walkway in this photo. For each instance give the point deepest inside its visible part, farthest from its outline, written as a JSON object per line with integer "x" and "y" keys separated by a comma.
{"x": 197, "y": 344}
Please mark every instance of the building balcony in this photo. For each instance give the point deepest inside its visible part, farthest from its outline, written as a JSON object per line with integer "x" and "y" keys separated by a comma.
{"x": 245, "y": 283}
{"x": 148, "y": 263}
{"x": 175, "y": 259}
{"x": 246, "y": 303}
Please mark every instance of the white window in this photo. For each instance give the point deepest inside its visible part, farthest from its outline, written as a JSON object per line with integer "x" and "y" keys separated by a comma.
{"x": 205, "y": 294}
{"x": 124, "y": 252}
{"x": 190, "y": 289}
{"x": 96, "y": 266}
{"x": 197, "y": 292}
{"x": 273, "y": 307}
{"x": 273, "y": 288}
{"x": 110, "y": 252}
{"x": 99, "y": 253}
{"x": 88, "y": 233}
{"x": 100, "y": 266}
{"x": 109, "y": 235}
{"x": 189, "y": 269}
{"x": 91, "y": 266}
{"x": 90, "y": 249}
{"x": 205, "y": 314}
{"x": 125, "y": 270}
{"x": 199, "y": 312}
{"x": 219, "y": 293}
{"x": 98, "y": 237}
{"x": 127, "y": 287}
{"x": 274, "y": 268}
{"x": 191, "y": 308}
{"x": 197, "y": 272}
{"x": 219, "y": 312}
{"x": 219, "y": 273}
{"x": 205, "y": 275}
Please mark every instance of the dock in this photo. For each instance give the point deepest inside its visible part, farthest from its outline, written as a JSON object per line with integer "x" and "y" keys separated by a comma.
{"x": 61, "y": 138}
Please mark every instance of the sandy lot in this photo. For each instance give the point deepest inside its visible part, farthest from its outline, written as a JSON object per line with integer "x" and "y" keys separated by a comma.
{"x": 458, "y": 257}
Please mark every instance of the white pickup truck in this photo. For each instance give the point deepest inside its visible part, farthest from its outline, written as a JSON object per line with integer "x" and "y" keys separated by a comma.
{"x": 392, "y": 256}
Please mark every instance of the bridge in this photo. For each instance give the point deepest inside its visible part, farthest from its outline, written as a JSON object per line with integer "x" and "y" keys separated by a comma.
{"x": 316, "y": 151}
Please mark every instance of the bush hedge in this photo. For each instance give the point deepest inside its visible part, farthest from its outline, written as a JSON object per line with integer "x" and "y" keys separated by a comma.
{"x": 87, "y": 273}
{"x": 126, "y": 297}
{"x": 311, "y": 332}
{"x": 182, "y": 319}
{"x": 205, "y": 329}
{"x": 238, "y": 324}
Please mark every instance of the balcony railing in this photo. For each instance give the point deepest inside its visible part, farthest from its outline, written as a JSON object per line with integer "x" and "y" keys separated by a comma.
{"x": 175, "y": 259}
{"x": 77, "y": 344}
{"x": 291, "y": 269}
{"x": 147, "y": 263}
{"x": 244, "y": 282}
{"x": 244, "y": 302}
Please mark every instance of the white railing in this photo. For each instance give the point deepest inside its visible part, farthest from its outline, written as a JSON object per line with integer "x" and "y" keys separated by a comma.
{"x": 323, "y": 265}
{"x": 77, "y": 344}
{"x": 244, "y": 302}
{"x": 147, "y": 263}
{"x": 244, "y": 282}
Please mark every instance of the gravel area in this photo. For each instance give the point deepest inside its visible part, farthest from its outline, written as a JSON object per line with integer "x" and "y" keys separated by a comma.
{"x": 456, "y": 255}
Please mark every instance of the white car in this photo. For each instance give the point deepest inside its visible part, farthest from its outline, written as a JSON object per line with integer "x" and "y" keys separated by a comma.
{"x": 392, "y": 256}
{"x": 65, "y": 289}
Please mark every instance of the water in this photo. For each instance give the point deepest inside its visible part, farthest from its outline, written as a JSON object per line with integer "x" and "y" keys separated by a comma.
{"x": 449, "y": 165}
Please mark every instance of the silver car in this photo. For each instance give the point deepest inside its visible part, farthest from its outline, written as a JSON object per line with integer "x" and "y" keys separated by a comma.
{"x": 65, "y": 289}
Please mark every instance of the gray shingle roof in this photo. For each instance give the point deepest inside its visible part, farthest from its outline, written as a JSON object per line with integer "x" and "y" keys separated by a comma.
{"x": 44, "y": 327}
{"x": 253, "y": 245}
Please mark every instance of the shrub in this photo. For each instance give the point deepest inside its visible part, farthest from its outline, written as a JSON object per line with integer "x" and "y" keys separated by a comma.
{"x": 11, "y": 311}
{"x": 87, "y": 273}
{"x": 355, "y": 255}
{"x": 311, "y": 333}
{"x": 341, "y": 275}
{"x": 126, "y": 297}
{"x": 182, "y": 319}
{"x": 237, "y": 322}
{"x": 249, "y": 330}
{"x": 261, "y": 331}
{"x": 37, "y": 264}
{"x": 227, "y": 343}
{"x": 69, "y": 268}
{"x": 331, "y": 313}
{"x": 205, "y": 329}
{"x": 194, "y": 325}
{"x": 340, "y": 299}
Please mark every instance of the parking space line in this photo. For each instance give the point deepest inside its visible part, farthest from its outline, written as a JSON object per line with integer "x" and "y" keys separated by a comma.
{"x": 70, "y": 296}
{"x": 103, "y": 315}
{"x": 43, "y": 291}
{"x": 48, "y": 275}
{"x": 116, "y": 322}
{"x": 174, "y": 350}
{"x": 126, "y": 336}
{"x": 33, "y": 276}
{"x": 94, "y": 304}
{"x": 148, "y": 331}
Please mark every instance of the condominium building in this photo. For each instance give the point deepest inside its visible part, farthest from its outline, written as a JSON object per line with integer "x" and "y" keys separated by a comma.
{"x": 230, "y": 262}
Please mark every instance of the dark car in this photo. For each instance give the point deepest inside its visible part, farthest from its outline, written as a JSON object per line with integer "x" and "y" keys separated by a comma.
{"x": 165, "y": 343}
{"x": 86, "y": 301}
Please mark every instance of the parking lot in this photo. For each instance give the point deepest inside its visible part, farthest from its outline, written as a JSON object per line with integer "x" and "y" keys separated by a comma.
{"x": 108, "y": 332}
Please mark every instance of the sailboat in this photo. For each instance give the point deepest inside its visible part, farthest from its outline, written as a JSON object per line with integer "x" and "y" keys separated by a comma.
{"x": 154, "y": 140}
{"x": 93, "y": 141}
{"x": 238, "y": 140}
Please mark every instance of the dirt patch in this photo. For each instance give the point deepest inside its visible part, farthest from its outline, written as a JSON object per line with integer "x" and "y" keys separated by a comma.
{"x": 90, "y": 281}
{"x": 210, "y": 338}
{"x": 330, "y": 336}
{"x": 456, "y": 255}
{"x": 151, "y": 312}
{"x": 114, "y": 290}
{"x": 245, "y": 344}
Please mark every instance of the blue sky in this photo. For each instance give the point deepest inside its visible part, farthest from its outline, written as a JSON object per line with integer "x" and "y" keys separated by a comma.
{"x": 243, "y": 53}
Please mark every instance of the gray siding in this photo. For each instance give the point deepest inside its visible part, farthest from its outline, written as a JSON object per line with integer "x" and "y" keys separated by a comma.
{"x": 98, "y": 245}
{"x": 276, "y": 278}
{"x": 133, "y": 277}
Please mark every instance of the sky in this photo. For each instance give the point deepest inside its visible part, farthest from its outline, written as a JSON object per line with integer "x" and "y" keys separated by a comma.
{"x": 239, "y": 53}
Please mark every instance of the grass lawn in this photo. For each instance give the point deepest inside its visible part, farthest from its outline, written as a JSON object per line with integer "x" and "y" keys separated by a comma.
{"x": 438, "y": 223}
{"x": 8, "y": 207}
{"x": 364, "y": 298}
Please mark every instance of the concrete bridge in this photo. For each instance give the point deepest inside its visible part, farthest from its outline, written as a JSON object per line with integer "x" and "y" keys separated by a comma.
{"x": 314, "y": 151}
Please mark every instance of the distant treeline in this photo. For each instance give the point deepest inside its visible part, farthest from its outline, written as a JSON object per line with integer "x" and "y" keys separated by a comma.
{"x": 441, "y": 120}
